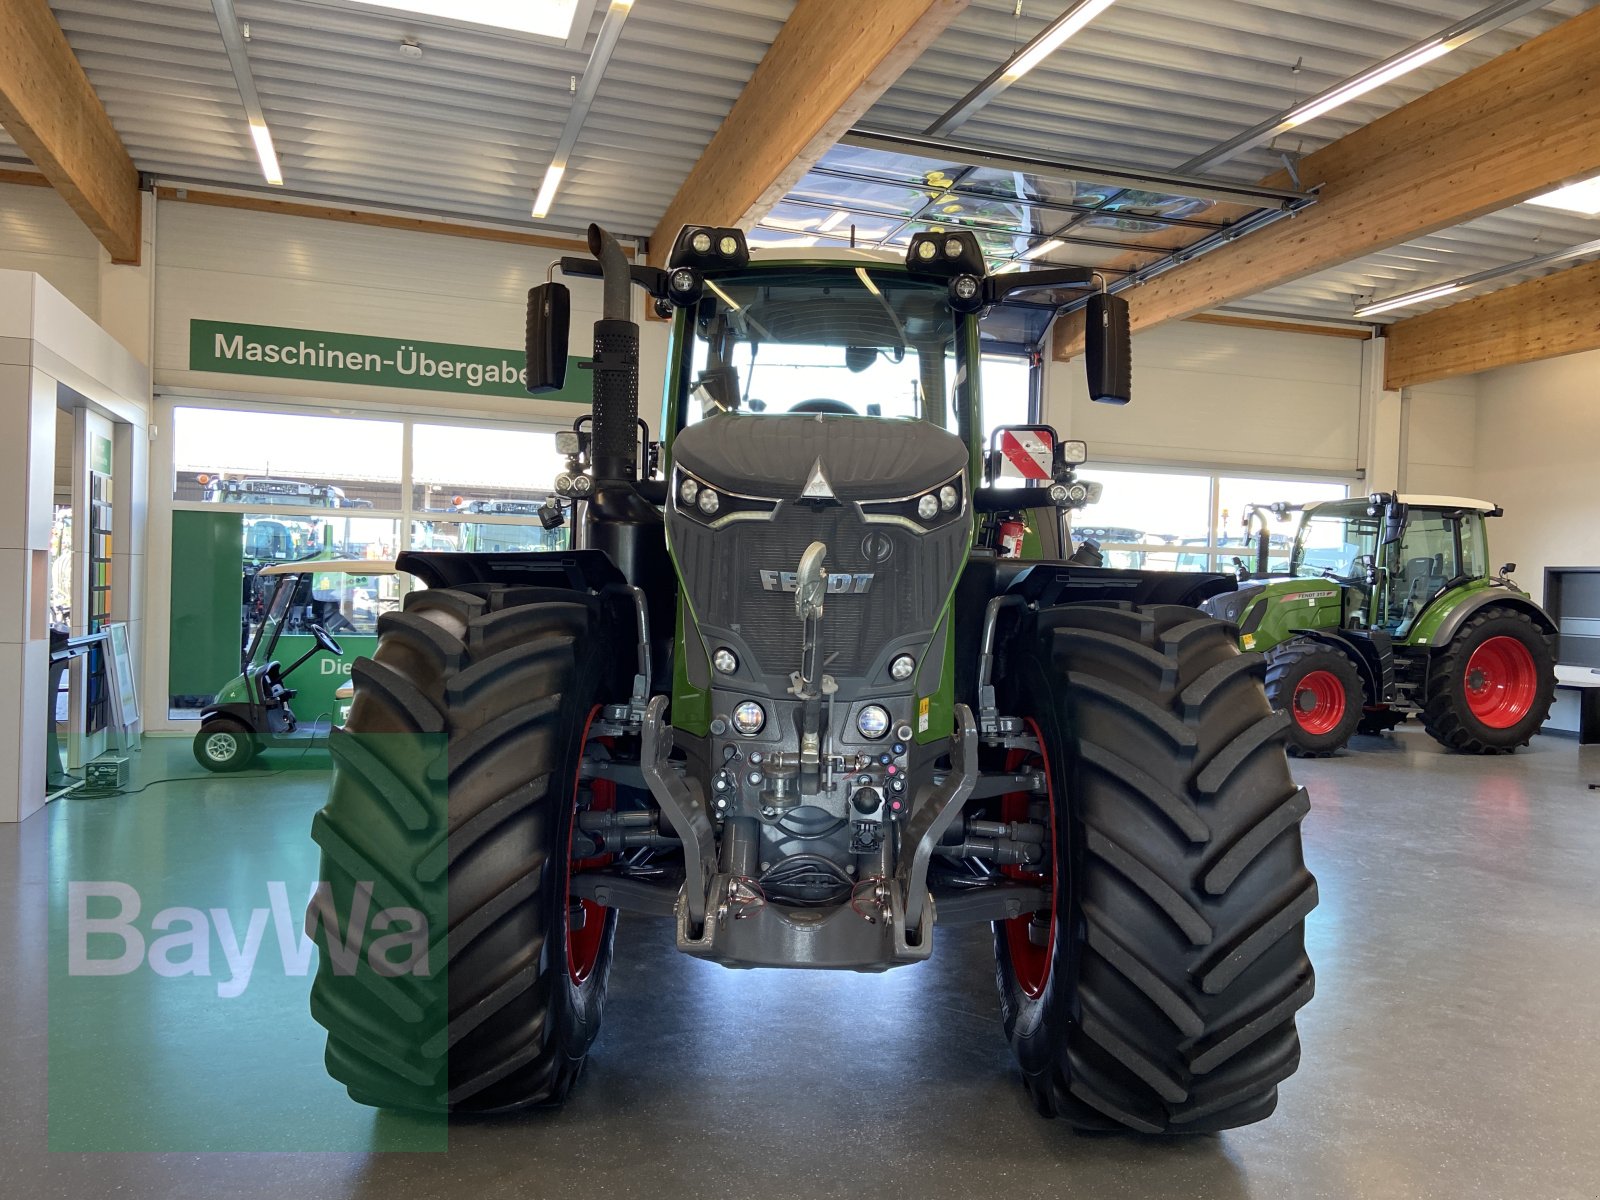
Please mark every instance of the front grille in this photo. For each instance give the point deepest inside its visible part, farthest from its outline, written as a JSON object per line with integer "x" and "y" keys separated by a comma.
{"x": 722, "y": 570}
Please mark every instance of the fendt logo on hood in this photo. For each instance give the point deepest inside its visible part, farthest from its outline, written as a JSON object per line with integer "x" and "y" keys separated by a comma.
{"x": 839, "y": 584}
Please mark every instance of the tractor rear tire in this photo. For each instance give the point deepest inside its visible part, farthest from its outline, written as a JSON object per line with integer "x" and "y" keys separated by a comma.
{"x": 1175, "y": 956}
{"x": 1491, "y": 688}
{"x": 454, "y": 789}
{"x": 1320, "y": 688}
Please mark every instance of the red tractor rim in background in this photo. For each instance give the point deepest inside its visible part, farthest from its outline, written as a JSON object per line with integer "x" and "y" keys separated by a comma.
{"x": 1031, "y": 962}
{"x": 1318, "y": 702}
{"x": 583, "y": 945}
{"x": 1501, "y": 682}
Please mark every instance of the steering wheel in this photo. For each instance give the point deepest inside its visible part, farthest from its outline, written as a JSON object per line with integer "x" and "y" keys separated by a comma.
{"x": 325, "y": 640}
{"x": 821, "y": 404}
{"x": 1358, "y": 571}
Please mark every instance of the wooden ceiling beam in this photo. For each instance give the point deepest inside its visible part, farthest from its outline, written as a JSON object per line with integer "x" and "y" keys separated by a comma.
{"x": 50, "y": 109}
{"x": 1519, "y": 125}
{"x": 1543, "y": 318}
{"x": 828, "y": 65}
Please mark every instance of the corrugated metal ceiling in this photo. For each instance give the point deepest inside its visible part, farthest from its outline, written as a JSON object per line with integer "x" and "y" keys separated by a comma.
{"x": 465, "y": 132}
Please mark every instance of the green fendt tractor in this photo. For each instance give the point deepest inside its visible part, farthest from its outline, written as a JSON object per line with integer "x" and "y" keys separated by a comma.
{"x": 1385, "y": 607}
{"x": 789, "y": 698}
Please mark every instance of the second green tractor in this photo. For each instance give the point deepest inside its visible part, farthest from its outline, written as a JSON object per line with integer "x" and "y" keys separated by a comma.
{"x": 1386, "y": 608}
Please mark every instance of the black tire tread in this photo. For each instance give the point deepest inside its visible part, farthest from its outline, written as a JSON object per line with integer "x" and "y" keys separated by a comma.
{"x": 1190, "y": 958}
{"x": 495, "y": 676}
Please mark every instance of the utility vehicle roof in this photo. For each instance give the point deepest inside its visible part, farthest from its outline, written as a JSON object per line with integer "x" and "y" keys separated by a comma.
{"x": 843, "y": 255}
{"x": 341, "y": 566}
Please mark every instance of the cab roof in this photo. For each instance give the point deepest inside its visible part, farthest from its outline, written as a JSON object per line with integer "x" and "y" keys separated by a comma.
{"x": 1413, "y": 500}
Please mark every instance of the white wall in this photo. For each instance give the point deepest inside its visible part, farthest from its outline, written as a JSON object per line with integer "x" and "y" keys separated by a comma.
{"x": 261, "y": 268}
{"x": 40, "y": 233}
{"x": 1216, "y": 395}
{"x": 1538, "y": 447}
{"x": 1440, "y": 438}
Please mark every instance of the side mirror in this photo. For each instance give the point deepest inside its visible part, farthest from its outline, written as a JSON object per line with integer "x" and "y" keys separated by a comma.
{"x": 549, "y": 324}
{"x": 1508, "y": 568}
{"x": 1108, "y": 349}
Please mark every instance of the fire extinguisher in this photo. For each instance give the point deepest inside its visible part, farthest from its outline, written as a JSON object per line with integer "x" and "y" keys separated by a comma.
{"x": 1011, "y": 533}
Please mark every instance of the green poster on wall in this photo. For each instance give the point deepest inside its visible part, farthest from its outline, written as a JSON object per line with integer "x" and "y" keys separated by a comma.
{"x": 281, "y": 352}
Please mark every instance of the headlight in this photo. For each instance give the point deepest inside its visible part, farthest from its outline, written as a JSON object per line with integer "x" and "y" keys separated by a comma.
{"x": 725, "y": 660}
{"x": 902, "y": 667}
{"x": 749, "y": 718}
{"x": 687, "y": 490}
{"x": 701, "y": 242}
{"x": 728, "y": 245}
{"x": 566, "y": 442}
{"x": 709, "y": 502}
{"x": 872, "y": 721}
{"x": 928, "y": 507}
{"x": 949, "y": 498}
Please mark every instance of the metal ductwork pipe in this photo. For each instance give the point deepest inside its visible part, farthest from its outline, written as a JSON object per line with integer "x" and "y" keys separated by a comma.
{"x": 616, "y": 368}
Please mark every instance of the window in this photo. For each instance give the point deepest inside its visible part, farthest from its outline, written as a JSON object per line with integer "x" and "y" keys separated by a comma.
{"x": 1171, "y": 520}
{"x": 473, "y": 468}
{"x": 228, "y": 456}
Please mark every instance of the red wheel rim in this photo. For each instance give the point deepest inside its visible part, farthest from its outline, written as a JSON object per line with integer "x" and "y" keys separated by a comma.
{"x": 1501, "y": 682}
{"x": 1030, "y": 962}
{"x": 1318, "y": 702}
{"x": 583, "y": 945}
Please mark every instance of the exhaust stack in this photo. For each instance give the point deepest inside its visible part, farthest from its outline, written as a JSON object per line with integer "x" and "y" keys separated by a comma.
{"x": 616, "y": 369}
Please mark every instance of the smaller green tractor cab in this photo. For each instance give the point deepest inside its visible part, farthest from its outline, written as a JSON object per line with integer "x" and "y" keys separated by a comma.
{"x": 1383, "y": 606}
{"x": 251, "y": 712}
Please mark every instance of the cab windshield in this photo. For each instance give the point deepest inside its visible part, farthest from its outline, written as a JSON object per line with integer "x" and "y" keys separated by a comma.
{"x": 865, "y": 340}
{"x": 1335, "y": 540}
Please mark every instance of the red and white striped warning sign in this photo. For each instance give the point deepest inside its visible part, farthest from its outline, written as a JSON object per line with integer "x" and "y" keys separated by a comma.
{"x": 1030, "y": 451}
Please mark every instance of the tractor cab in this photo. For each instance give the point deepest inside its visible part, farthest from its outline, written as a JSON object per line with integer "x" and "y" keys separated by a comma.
{"x": 1391, "y": 553}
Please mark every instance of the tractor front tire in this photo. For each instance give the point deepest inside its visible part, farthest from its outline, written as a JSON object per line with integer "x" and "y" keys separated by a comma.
{"x": 1490, "y": 689}
{"x": 1320, "y": 689}
{"x": 453, "y": 796}
{"x": 1162, "y": 997}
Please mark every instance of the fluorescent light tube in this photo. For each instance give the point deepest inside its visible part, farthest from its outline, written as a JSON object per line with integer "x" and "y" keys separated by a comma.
{"x": 1364, "y": 83}
{"x": 265, "y": 152}
{"x": 1433, "y": 293}
{"x": 545, "y": 18}
{"x": 547, "y": 189}
{"x": 1044, "y": 248}
{"x": 1583, "y": 197}
{"x": 1047, "y": 45}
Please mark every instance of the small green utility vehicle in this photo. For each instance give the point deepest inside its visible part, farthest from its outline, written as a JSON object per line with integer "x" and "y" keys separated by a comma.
{"x": 251, "y": 712}
{"x": 1385, "y": 607}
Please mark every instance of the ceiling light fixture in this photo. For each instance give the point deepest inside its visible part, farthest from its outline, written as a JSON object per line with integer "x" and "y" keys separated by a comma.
{"x": 1044, "y": 44}
{"x": 1451, "y": 38}
{"x": 1582, "y": 250}
{"x": 1583, "y": 197}
{"x": 543, "y": 18}
{"x": 1044, "y": 248}
{"x": 267, "y": 153}
{"x": 583, "y": 97}
{"x": 233, "y": 41}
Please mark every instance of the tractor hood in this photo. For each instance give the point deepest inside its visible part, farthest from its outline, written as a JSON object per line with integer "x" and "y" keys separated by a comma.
{"x": 862, "y": 458}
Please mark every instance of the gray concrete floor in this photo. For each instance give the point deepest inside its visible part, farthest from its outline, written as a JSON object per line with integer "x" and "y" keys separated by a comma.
{"x": 1451, "y": 1050}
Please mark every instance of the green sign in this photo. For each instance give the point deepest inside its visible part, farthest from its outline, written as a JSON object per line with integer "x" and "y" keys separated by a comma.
{"x": 101, "y": 455}
{"x": 283, "y": 353}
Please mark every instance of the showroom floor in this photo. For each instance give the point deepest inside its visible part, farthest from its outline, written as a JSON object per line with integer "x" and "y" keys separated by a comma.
{"x": 1450, "y": 1051}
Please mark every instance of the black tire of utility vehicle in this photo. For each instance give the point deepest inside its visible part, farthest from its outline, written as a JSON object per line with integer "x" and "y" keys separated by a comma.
{"x": 454, "y": 788}
{"x": 1301, "y": 671}
{"x": 215, "y": 734}
{"x": 1447, "y": 712}
{"x": 1177, "y": 956}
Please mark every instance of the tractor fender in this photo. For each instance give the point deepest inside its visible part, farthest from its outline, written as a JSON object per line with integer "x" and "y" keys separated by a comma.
{"x": 1367, "y": 657}
{"x": 1485, "y": 598}
{"x": 577, "y": 570}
